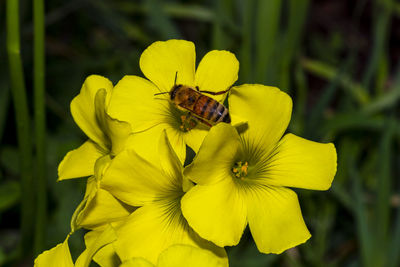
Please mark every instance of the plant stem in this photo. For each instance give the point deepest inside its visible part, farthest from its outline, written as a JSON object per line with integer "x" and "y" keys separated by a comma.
{"x": 40, "y": 121}
{"x": 22, "y": 123}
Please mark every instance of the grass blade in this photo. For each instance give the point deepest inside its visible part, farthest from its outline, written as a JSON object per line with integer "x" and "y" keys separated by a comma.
{"x": 268, "y": 17}
{"x": 22, "y": 121}
{"x": 297, "y": 15}
{"x": 381, "y": 30}
{"x": 40, "y": 122}
{"x": 246, "y": 61}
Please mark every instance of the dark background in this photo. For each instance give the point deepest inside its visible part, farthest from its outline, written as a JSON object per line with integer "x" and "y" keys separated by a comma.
{"x": 337, "y": 59}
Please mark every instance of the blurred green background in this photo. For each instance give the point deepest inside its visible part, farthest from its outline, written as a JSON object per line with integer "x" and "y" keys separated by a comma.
{"x": 337, "y": 59}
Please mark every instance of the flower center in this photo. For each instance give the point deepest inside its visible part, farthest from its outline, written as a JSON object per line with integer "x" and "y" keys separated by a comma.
{"x": 187, "y": 123}
{"x": 240, "y": 169}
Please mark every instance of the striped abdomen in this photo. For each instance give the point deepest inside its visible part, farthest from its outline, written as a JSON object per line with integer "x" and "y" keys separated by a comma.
{"x": 211, "y": 110}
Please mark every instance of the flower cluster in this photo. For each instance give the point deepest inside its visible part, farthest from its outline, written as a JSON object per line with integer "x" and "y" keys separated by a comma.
{"x": 147, "y": 204}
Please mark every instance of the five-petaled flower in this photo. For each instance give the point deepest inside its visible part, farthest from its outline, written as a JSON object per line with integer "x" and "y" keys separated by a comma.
{"x": 242, "y": 174}
{"x": 133, "y": 99}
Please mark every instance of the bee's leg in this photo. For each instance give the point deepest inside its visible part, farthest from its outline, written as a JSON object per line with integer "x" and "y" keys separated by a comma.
{"x": 216, "y": 93}
{"x": 197, "y": 88}
{"x": 201, "y": 120}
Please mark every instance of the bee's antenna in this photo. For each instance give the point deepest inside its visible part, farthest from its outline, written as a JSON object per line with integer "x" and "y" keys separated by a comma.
{"x": 162, "y": 93}
{"x": 176, "y": 75}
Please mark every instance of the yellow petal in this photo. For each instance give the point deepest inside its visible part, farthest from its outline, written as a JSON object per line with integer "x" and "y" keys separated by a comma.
{"x": 267, "y": 111}
{"x": 153, "y": 228}
{"x": 106, "y": 255}
{"x": 137, "y": 262}
{"x": 101, "y": 240}
{"x": 137, "y": 181}
{"x": 216, "y": 156}
{"x": 275, "y": 219}
{"x": 84, "y": 111}
{"x": 297, "y": 162}
{"x": 133, "y": 101}
{"x": 216, "y": 212}
{"x": 194, "y": 138}
{"x": 80, "y": 162}
{"x": 217, "y": 71}
{"x": 162, "y": 60}
{"x": 145, "y": 143}
{"x": 90, "y": 193}
{"x": 183, "y": 256}
{"x": 116, "y": 132}
{"x": 171, "y": 165}
{"x": 59, "y": 256}
{"x": 103, "y": 208}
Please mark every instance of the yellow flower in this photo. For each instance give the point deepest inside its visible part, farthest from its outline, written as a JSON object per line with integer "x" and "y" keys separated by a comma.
{"x": 179, "y": 256}
{"x": 133, "y": 97}
{"x": 242, "y": 174}
{"x": 107, "y": 137}
{"x": 157, "y": 188}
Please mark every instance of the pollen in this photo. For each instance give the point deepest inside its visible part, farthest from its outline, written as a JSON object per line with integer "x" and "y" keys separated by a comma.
{"x": 187, "y": 123}
{"x": 240, "y": 169}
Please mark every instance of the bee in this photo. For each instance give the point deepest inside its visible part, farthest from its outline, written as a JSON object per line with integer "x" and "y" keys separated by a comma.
{"x": 204, "y": 108}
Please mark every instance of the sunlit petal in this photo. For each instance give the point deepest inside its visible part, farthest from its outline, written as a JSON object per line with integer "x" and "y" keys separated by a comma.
{"x": 216, "y": 156}
{"x": 275, "y": 219}
{"x": 136, "y": 181}
{"x": 297, "y": 162}
{"x": 216, "y": 212}
{"x": 217, "y": 71}
{"x": 93, "y": 246}
{"x": 266, "y": 110}
{"x": 183, "y": 256}
{"x": 80, "y": 162}
{"x": 83, "y": 109}
{"x": 162, "y": 60}
{"x": 133, "y": 101}
{"x": 153, "y": 228}
{"x": 59, "y": 256}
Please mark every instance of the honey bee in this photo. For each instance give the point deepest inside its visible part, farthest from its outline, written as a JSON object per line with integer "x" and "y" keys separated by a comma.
{"x": 204, "y": 108}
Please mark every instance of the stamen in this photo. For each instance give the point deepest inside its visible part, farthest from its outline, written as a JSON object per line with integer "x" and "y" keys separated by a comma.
{"x": 240, "y": 169}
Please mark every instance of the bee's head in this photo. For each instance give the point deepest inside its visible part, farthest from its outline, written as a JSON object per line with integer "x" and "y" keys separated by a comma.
{"x": 174, "y": 91}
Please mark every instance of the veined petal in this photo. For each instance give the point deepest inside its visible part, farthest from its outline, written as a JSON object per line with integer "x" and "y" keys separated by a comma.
{"x": 297, "y": 162}
{"x": 83, "y": 109}
{"x": 184, "y": 255}
{"x": 275, "y": 219}
{"x": 101, "y": 209}
{"x": 153, "y": 228}
{"x": 101, "y": 240}
{"x": 133, "y": 101}
{"x": 216, "y": 212}
{"x": 217, "y": 71}
{"x": 267, "y": 111}
{"x": 161, "y": 61}
{"x": 216, "y": 156}
{"x": 171, "y": 165}
{"x": 137, "y": 181}
{"x": 59, "y": 256}
{"x": 80, "y": 162}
